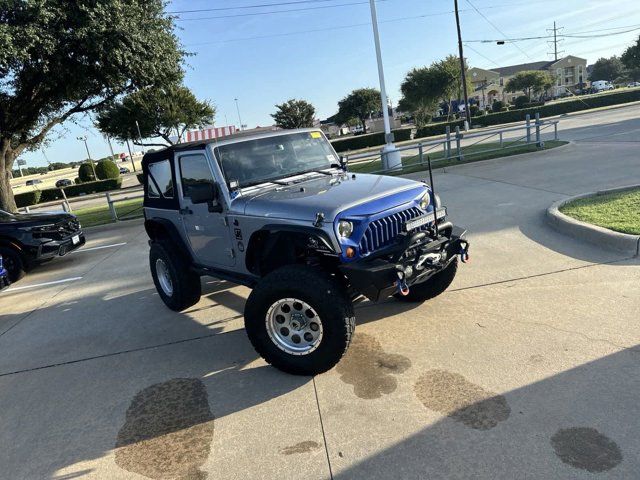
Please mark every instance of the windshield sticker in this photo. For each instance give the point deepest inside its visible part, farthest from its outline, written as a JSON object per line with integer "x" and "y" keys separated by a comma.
{"x": 316, "y": 135}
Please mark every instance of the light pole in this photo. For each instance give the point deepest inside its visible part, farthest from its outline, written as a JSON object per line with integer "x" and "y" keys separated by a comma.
{"x": 462, "y": 72}
{"x": 239, "y": 118}
{"x": 139, "y": 136}
{"x": 391, "y": 157}
{"x": 84, "y": 139}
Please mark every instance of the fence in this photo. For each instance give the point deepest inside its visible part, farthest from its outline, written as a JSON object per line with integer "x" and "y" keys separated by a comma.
{"x": 452, "y": 147}
{"x": 112, "y": 200}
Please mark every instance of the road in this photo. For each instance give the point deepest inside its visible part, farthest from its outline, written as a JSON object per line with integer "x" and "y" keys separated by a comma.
{"x": 527, "y": 367}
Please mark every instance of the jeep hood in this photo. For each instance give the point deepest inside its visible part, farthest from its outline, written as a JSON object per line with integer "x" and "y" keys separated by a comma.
{"x": 329, "y": 195}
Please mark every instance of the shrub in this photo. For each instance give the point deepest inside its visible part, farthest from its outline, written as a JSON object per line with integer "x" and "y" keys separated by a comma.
{"x": 50, "y": 194}
{"x": 77, "y": 181}
{"x": 85, "y": 173}
{"x": 497, "y": 106}
{"x": 521, "y": 101}
{"x": 28, "y": 198}
{"x": 369, "y": 140}
{"x": 473, "y": 110}
{"x": 106, "y": 169}
{"x": 437, "y": 128}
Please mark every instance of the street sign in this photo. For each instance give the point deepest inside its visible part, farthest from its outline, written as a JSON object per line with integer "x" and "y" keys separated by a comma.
{"x": 21, "y": 162}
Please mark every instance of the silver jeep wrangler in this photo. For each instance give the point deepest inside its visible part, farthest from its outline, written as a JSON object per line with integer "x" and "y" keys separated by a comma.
{"x": 280, "y": 213}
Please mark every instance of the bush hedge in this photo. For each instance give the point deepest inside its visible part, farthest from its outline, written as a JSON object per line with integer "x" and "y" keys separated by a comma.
{"x": 548, "y": 110}
{"x": 51, "y": 194}
{"x": 106, "y": 169}
{"x": 369, "y": 140}
{"x": 85, "y": 173}
{"x": 27, "y": 198}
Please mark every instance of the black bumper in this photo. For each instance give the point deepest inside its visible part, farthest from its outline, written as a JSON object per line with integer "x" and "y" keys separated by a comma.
{"x": 377, "y": 277}
{"x": 59, "y": 248}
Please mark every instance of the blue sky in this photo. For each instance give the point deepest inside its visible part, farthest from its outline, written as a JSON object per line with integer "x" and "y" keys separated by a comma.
{"x": 321, "y": 54}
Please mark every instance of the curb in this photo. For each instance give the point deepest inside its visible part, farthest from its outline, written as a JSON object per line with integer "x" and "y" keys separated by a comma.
{"x": 603, "y": 237}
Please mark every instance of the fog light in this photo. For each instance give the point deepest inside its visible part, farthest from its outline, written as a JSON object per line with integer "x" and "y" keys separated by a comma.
{"x": 408, "y": 271}
{"x": 351, "y": 252}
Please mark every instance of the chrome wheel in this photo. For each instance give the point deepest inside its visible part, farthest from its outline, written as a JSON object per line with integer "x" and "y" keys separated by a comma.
{"x": 294, "y": 326}
{"x": 164, "y": 278}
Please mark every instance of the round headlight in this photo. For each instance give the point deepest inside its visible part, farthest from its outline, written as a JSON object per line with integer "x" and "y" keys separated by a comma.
{"x": 345, "y": 229}
{"x": 425, "y": 201}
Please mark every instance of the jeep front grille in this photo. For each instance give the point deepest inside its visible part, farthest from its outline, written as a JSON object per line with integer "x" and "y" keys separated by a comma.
{"x": 383, "y": 232}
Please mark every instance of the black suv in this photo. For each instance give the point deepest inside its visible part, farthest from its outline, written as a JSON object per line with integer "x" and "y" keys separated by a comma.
{"x": 27, "y": 239}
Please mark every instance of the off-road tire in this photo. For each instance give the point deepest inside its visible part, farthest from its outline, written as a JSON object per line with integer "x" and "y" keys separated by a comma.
{"x": 325, "y": 294}
{"x": 432, "y": 287}
{"x": 13, "y": 263}
{"x": 186, "y": 284}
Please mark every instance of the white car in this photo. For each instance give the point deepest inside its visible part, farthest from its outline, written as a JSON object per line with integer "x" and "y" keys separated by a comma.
{"x": 633, "y": 84}
{"x": 602, "y": 85}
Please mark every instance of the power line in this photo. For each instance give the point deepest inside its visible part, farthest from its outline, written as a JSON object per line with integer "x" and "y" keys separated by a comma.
{"x": 253, "y": 14}
{"x": 262, "y": 5}
{"x": 480, "y": 54}
{"x": 496, "y": 27}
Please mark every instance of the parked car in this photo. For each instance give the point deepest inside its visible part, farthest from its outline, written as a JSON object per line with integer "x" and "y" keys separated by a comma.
{"x": 28, "y": 239}
{"x": 32, "y": 182}
{"x": 279, "y": 213}
{"x": 633, "y": 84}
{"x": 4, "y": 275}
{"x": 602, "y": 85}
{"x": 64, "y": 182}
{"x": 124, "y": 170}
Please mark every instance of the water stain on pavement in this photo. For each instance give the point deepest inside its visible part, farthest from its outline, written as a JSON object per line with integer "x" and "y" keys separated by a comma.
{"x": 168, "y": 431}
{"x": 453, "y": 395}
{"x": 302, "y": 447}
{"x": 369, "y": 369}
{"x": 586, "y": 449}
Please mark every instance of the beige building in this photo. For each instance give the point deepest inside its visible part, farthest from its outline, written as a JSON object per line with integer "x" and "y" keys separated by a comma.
{"x": 569, "y": 72}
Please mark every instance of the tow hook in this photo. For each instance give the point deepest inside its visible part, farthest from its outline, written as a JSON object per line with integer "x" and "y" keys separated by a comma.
{"x": 464, "y": 251}
{"x": 401, "y": 285}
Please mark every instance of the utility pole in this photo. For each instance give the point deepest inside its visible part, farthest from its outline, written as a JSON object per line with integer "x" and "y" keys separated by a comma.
{"x": 239, "y": 117}
{"x": 555, "y": 40}
{"x": 462, "y": 68}
{"x": 391, "y": 157}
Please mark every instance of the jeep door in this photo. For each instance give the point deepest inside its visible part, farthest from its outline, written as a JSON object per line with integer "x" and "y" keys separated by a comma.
{"x": 207, "y": 232}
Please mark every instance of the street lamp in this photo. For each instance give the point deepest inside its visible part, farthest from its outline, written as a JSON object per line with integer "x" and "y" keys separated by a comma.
{"x": 391, "y": 157}
{"x": 84, "y": 139}
{"x": 239, "y": 118}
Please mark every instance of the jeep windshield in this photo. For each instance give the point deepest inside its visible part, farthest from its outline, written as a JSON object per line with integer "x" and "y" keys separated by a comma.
{"x": 269, "y": 159}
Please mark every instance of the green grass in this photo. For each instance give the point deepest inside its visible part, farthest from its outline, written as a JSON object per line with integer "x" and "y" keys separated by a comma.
{"x": 472, "y": 153}
{"x": 92, "y": 216}
{"x": 615, "y": 211}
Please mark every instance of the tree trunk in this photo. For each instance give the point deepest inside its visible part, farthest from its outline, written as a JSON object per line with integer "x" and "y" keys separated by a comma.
{"x": 7, "y": 202}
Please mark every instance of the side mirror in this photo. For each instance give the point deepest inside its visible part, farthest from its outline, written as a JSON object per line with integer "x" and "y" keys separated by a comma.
{"x": 205, "y": 193}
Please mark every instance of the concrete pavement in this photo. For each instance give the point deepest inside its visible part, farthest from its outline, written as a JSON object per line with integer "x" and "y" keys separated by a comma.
{"x": 526, "y": 368}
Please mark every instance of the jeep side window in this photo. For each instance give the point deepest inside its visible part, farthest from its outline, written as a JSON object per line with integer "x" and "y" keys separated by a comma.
{"x": 161, "y": 174}
{"x": 194, "y": 170}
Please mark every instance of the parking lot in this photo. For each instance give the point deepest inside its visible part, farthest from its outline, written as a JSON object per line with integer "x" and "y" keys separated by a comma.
{"x": 527, "y": 367}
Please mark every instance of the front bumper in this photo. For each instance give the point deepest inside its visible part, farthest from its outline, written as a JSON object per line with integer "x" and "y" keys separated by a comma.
{"x": 415, "y": 259}
{"x": 59, "y": 248}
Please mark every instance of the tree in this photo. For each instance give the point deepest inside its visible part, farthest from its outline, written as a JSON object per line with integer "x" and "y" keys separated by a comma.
{"x": 631, "y": 60}
{"x": 607, "y": 69}
{"x": 163, "y": 112}
{"x": 294, "y": 114}
{"x": 424, "y": 88}
{"x": 359, "y": 104}
{"x": 106, "y": 169}
{"x": 529, "y": 81}
{"x": 59, "y": 59}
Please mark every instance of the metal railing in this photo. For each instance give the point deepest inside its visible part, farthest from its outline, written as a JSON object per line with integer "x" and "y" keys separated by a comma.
{"x": 452, "y": 146}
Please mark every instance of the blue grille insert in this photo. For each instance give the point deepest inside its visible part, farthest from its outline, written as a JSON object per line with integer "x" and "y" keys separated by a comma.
{"x": 384, "y": 231}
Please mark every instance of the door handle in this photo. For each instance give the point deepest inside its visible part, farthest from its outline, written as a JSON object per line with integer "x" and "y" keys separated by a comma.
{"x": 185, "y": 211}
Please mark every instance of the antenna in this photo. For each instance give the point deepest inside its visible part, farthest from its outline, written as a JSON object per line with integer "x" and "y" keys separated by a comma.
{"x": 555, "y": 41}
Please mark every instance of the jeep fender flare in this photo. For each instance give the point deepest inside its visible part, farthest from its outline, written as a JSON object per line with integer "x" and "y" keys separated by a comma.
{"x": 278, "y": 244}
{"x": 163, "y": 229}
